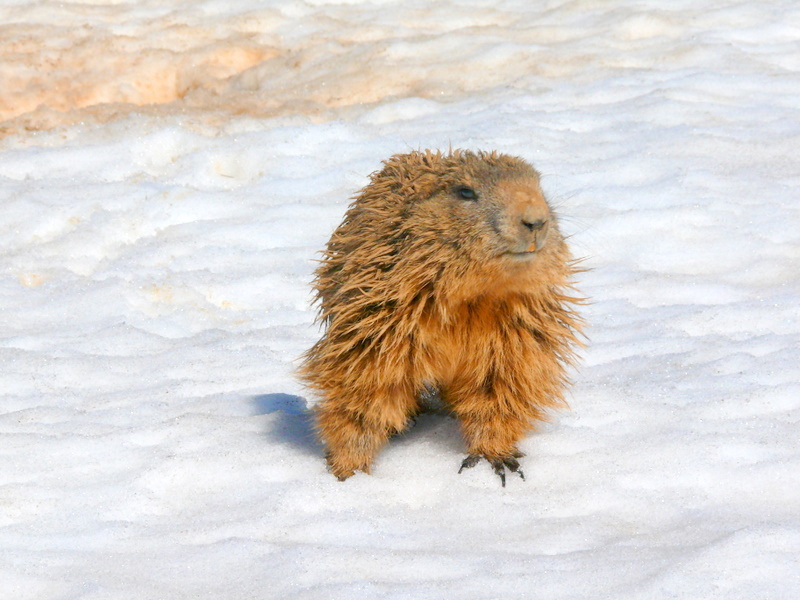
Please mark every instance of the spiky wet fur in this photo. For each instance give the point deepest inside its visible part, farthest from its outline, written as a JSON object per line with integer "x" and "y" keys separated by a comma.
{"x": 414, "y": 294}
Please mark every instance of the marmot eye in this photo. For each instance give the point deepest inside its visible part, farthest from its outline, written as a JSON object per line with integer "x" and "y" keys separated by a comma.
{"x": 467, "y": 193}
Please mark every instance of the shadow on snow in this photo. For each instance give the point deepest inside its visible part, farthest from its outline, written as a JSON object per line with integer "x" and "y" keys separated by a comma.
{"x": 295, "y": 423}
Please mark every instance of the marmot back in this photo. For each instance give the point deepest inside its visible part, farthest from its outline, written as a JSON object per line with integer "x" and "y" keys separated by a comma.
{"x": 448, "y": 272}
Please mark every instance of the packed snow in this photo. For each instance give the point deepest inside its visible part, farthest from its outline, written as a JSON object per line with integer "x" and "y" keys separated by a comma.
{"x": 169, "y": 172}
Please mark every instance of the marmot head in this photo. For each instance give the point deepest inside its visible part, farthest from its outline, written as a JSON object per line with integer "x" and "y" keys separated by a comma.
{"x": 467, "y": 223}
{"x": 489, "y": 206}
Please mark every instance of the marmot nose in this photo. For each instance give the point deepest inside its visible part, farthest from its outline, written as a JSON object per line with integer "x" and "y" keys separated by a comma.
{"x": 533, "y": 225}
{"x": 535, "y": 233}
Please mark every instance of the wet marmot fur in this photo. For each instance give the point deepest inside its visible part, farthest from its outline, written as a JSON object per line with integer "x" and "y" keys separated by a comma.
{"x": 448, "y": 273}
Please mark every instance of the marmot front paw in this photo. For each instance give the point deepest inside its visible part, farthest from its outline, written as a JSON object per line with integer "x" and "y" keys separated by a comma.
{"x": 499, "y": 465}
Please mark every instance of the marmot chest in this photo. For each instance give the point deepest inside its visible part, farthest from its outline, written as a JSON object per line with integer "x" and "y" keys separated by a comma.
{"x": 467, "y": 342}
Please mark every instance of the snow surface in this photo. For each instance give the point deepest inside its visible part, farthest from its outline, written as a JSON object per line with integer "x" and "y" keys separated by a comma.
{"x": 169, "y": 170}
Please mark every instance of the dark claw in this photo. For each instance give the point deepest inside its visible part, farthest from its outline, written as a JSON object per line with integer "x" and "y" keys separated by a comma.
{"x": 498, "y": 464}
{"x": 500, "y": 470}
{"x": 470, "y": 461}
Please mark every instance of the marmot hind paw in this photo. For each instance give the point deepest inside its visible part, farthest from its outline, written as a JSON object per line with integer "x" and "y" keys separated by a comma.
{"x": 498, "y": 464}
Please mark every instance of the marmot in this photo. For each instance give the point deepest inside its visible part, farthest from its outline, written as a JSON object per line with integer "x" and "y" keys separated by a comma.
{"x": 449, "y": 272}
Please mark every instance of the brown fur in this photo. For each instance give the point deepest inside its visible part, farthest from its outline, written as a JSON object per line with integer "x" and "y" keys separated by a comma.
{"x": 423, "y": 288}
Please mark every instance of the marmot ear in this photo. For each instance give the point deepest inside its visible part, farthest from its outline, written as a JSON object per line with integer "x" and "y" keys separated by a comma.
{"x": 424, "y": 186}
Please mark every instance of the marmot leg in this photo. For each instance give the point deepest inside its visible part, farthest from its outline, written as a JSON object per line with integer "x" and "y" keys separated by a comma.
{"x": 493, "y": 435}
{"x": 350, "y": 441}
{"x": 354, "y": 434}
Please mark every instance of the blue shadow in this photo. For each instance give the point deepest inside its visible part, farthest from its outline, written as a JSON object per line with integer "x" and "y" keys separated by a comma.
{"x": 295, "y": 423}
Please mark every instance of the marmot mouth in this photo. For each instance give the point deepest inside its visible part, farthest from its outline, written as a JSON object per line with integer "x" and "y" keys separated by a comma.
{"x": 522, "y": 255}
{"x": 532, "y": 249}
{"x": 517, "y": 250}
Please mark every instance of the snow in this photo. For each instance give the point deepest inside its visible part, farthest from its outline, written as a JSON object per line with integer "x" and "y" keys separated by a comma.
{"x": 170, "y": 170}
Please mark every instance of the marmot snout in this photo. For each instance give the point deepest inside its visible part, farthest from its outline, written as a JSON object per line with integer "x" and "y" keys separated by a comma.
{"x": 523, "y": 215}
{"x": 448, "y": 272}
